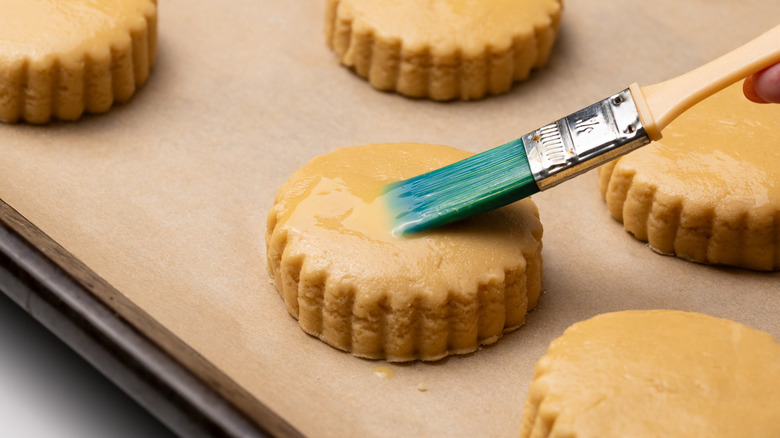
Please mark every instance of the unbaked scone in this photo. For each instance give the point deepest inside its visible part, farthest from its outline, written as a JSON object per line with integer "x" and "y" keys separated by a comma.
{"x": 61, "y": 58}
{"x": 657, "y": 373}
{"x": 443, "y": 49}
{"x": 709, "y": 191}
{"x": 352, "y": 283}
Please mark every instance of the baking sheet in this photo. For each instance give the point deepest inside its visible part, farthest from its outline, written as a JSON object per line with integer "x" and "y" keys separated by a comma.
{"x": 166, "y": 197}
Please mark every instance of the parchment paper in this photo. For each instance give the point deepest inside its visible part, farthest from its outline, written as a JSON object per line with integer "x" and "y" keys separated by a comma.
{"x": 166, "y": 197}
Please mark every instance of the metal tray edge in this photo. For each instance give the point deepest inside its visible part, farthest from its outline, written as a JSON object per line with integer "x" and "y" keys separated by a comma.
{"x": 58, "y": 291}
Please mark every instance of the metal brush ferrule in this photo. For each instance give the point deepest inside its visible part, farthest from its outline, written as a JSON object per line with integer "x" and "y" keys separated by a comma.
{"x": 585, "y": 139}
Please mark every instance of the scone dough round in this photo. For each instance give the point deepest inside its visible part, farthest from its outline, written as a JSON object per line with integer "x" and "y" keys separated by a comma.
{"x": 709, "y": 191}
{"x": 61, "y": 58}
{"x": 443, "y": 49}
{"x": 352, "y": 283}
{"x": 657, "y": 373}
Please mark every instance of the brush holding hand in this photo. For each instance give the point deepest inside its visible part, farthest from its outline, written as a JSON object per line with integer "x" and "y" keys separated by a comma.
{"x": 579, "y": 142}
{"x": 764, "y": 86}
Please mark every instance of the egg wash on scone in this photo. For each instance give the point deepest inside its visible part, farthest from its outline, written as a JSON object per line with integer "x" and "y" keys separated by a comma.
{"x": 358, "y": 287}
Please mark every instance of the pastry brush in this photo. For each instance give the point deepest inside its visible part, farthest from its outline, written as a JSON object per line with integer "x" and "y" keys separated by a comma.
{"x": 568, "y": 147}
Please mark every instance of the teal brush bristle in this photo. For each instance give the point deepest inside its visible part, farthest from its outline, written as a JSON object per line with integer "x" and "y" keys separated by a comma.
{"x": 480, "y": 183}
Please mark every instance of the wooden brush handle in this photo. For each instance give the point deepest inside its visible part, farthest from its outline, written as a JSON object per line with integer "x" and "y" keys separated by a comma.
{"x": 660, "y": 103}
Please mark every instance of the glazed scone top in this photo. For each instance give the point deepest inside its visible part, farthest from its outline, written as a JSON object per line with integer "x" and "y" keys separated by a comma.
{"x": 660, "y": 373}
{"x": 38, "y": 30}
{"x": 348, "y": 233}
{"x": 449, "y": 25}
{"x": 725, "y": 150}
{"x": 351, "y": 282}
